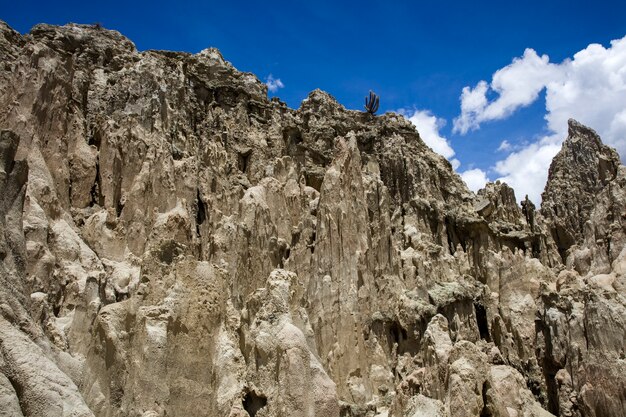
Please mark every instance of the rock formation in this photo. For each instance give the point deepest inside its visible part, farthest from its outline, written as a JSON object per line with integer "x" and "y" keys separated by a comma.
{"x": 174, "y": 243}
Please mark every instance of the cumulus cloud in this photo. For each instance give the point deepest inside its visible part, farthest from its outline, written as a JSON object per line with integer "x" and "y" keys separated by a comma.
{"x": 527, "y": 169}
{"x": 429, "y": 125}
{"x": 593, "y": 91}
{"x": 590, "y": 87}
{"x": 475, "y": 178}
{"x": 273, "y": 84}
{"x": 516, "y": 85}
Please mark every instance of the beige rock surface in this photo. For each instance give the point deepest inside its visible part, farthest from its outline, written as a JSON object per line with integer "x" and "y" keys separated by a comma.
{"x": 174, "y": 243}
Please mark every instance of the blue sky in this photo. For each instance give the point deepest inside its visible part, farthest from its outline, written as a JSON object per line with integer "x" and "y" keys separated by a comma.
{"x": 415, "y": 55}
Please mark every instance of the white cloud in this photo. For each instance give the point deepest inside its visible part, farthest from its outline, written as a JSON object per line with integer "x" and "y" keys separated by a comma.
{"x": 527, "y": 169}
{"x": 590, "y": 87}
{"x": 505, "y": 145}
{"x": 273, "y": 84}
{"x": 475, "y": 178}
{"x": 473, "y": 102}
{"x": 428, "y": 126}
{"x": 517, "y": 85}
{"x": 593, "y": 91}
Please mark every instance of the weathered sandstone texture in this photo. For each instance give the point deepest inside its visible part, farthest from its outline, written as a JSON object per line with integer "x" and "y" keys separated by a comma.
{"x": 174, "y": 243}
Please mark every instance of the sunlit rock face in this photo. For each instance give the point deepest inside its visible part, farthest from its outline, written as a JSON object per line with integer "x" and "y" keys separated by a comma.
{"x": 174, "y": 243}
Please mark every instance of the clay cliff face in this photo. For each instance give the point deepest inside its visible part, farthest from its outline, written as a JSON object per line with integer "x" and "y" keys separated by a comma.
{"x": 174, "y": 243}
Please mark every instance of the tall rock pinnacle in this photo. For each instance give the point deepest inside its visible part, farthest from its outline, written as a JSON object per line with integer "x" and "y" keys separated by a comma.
{"x": 582, "y": 168}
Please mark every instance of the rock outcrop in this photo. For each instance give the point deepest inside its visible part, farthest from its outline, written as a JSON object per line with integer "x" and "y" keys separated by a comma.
{"x": 583, "y": 168}
{"x": 173, "y": 242}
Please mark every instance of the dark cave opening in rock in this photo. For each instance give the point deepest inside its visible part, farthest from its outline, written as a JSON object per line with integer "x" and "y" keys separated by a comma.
{"x": 396, "y": 333}
{"x": 119, "y": 206}
{"x": 404, "y": 339}
{"x": 292, "y": 137}
{"x": 481, "y": 321}
{"x": 201, "y": 212}
{"x": 253, "y": 402}
{"x": 243, "y": 161}
{"x": 399, "y": 339}
{"x": 314, "y": 180}
{"x": 96, "y": 189}
{"x": 456, "y": 234}
{"x": 486, "y": 411}
{"x": 95, "y": 139}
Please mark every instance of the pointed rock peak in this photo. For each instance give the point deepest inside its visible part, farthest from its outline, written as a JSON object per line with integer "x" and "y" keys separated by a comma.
{"x": 584, "y": 149}
{"x": 319, "y": 95}
{"x": 577, "y": 131}
{"x": 580, "y": 170}
{"x": 213, "y": 54}
{"x": 318, "y": 100}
